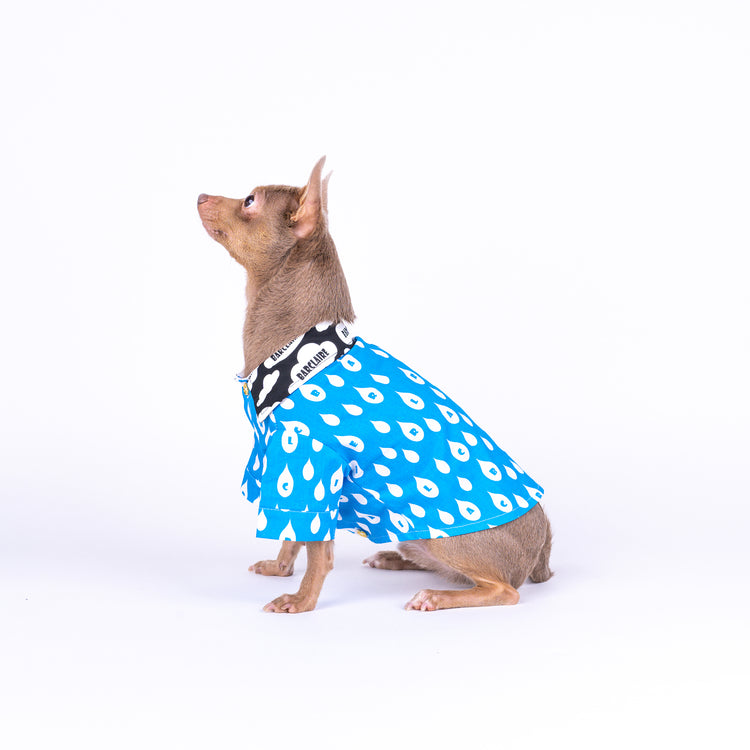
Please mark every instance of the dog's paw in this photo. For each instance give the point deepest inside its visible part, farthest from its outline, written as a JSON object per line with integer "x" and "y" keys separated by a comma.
{"x": 271, "y": 568}
{"x": 290, "y": 604}
{"x": 425, "y": 601}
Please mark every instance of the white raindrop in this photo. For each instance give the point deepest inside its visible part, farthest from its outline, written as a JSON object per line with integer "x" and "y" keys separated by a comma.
{"x": 417, "y": 510}
{"x": 337, "y": 480}
{"x": 412, "y": 431}
{"x": 370, "y": 395}
{"x": 412, "y": 376}
{"x": 389, "y": 452}
{"x": 436, "y": 533}
{"x": 395, "y": 490}
{"x": 512, "y": 474}
{"x": 355, "y": 411}
{"x": 352, "y": 442}
{"x": 335, "y": 380}
{"x": 384, "y": 471}
{"x": 433, "y": 424}
{"x": 446, "y": 517}
{"x": 427, "y": 487}
{"x": 331, "y": 419}
{"x": 320, "y": 491}
{"x": 412, "y": 401}
{"x": 448, "y": 413}
{"x": 464, "y": 484}
{"x": 384, "y": 379}
{"x": 411, "y": 456}
{"x": 288, "y": 533}
{"x": 522, "y": 502}
{"x": 308, "y": 470}
{"x": 381, "y": 426}
{"x": 490, "y": 470}
{"x": 501, "y": 502}
{"x": 262, "y": 521}
{"x": 468, "y": 510}
{"x": 459, "y": 451}
{"x": 315, "y": 525}
{"x": 442, "y": 466}
{"x": 285, "y": 485}
{"x": 470, "y": 438}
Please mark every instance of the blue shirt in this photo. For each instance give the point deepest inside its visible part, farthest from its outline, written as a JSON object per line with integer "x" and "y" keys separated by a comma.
{"x": 368, "y": 445}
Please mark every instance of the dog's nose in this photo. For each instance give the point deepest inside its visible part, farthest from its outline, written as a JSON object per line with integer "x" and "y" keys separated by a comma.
{"x": 202, "y": 198}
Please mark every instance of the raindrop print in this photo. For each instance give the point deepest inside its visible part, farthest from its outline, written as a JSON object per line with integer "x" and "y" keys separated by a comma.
{"x": 350, "y": 363}
{"x": 289, "y": 441}
{"x": 489, "y": 445}
{"x": 370, "y": 395}
{"x": 262, "y": 521}
{"x": 469, "y": 438}
{"x": 384, "y": 471}
{"x": 361, "y": 499}
{"x": 448, "y": 413}
{"x": 512, "y": 474}
{"x": 315, "y": 525}
{"x": 412, "y": 376}
{"x": 533, "y": 492}
{"x": 522, "y": 502}
{"x": 459, "y": 451}
{"x": 335, "y": 380}
{"x": 446, "y": 517}
{"x": 308, "y": 470}
{"x": 468, "y": 510}
{"x": 331, "y": 419}
{"x": 355, "y": 411}
{"x": 389, "y": 452}
{"x": 417, "y": 510}
{"x": 391, "y": 535}
{"x": 317, "y": 446}
{"x": 395, "y": 490}
{"x": 442, "y": 466}
{"x": 490, "y": 470}
{"x": 337, "y": 480}
{"x": 285, "y": 485}
{"x": 427, "y": 487}
{"x": 320, "y": 491}
{"x": 399, "y": 521}
{"x": 412, "y": 401}
{"x": 412, "y": 431}
{"x": 433, "y": 424}
{"x": 381, "y": 426}
{"x": 312, "y": 392}
{"x": 287, "y": 404}
{"x": 352, "y": 442}
{"x": 464, "y": 484}
{"x": 288, "y": 533}
{"x": 467, "y": 420}
{"x": 356, "y": 469}
{"x": 381, "y": 379}
{"x": 436, "y": 533}
{"x": 501, "y": 502}
{"x": 411, "y": 456}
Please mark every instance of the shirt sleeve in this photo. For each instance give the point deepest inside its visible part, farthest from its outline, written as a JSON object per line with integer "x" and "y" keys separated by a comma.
{"x": 300, "y": 489}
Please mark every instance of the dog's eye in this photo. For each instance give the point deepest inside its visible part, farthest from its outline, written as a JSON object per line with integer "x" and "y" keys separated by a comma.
{"x": 249, "y": 201}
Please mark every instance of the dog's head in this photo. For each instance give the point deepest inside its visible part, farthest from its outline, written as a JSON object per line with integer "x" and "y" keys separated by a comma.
{"x": 260, "y": 230}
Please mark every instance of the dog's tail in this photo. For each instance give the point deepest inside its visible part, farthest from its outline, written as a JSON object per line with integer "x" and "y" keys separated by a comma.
{"x": 541, "y": 571}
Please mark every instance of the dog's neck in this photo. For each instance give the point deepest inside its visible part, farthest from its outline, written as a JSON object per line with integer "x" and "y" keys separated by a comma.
{"x": 309, "y": 287}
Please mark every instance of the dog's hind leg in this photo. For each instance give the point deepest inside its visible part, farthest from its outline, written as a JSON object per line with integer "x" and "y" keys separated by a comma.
{"x": 497, "y": 561}
{"x": 283, "y": 565}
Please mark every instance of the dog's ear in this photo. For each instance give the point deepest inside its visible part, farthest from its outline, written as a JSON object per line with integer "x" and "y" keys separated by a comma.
{"x": 324, "y": 194}
{"x": 311, "y": 204}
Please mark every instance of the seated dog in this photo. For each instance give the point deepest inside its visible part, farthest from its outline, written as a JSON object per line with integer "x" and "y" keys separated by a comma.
{"x": 346, "y": 436}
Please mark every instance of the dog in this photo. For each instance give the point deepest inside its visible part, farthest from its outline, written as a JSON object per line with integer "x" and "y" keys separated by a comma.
{"x": 347, "y": 436}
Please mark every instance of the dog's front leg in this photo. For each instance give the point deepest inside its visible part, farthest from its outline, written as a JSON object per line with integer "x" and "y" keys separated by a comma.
{"x": 283, "y": 565}
{"x": 319, "y": 565}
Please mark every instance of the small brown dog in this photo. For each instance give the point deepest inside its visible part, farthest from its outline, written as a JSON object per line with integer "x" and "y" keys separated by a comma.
{"x": 295, "y": 284}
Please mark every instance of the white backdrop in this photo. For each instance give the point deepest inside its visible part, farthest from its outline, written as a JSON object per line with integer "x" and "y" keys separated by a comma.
{"x": 555, "y": 193}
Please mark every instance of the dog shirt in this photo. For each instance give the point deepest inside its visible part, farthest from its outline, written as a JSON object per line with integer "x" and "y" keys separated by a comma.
{"x": 347, "y": 436}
